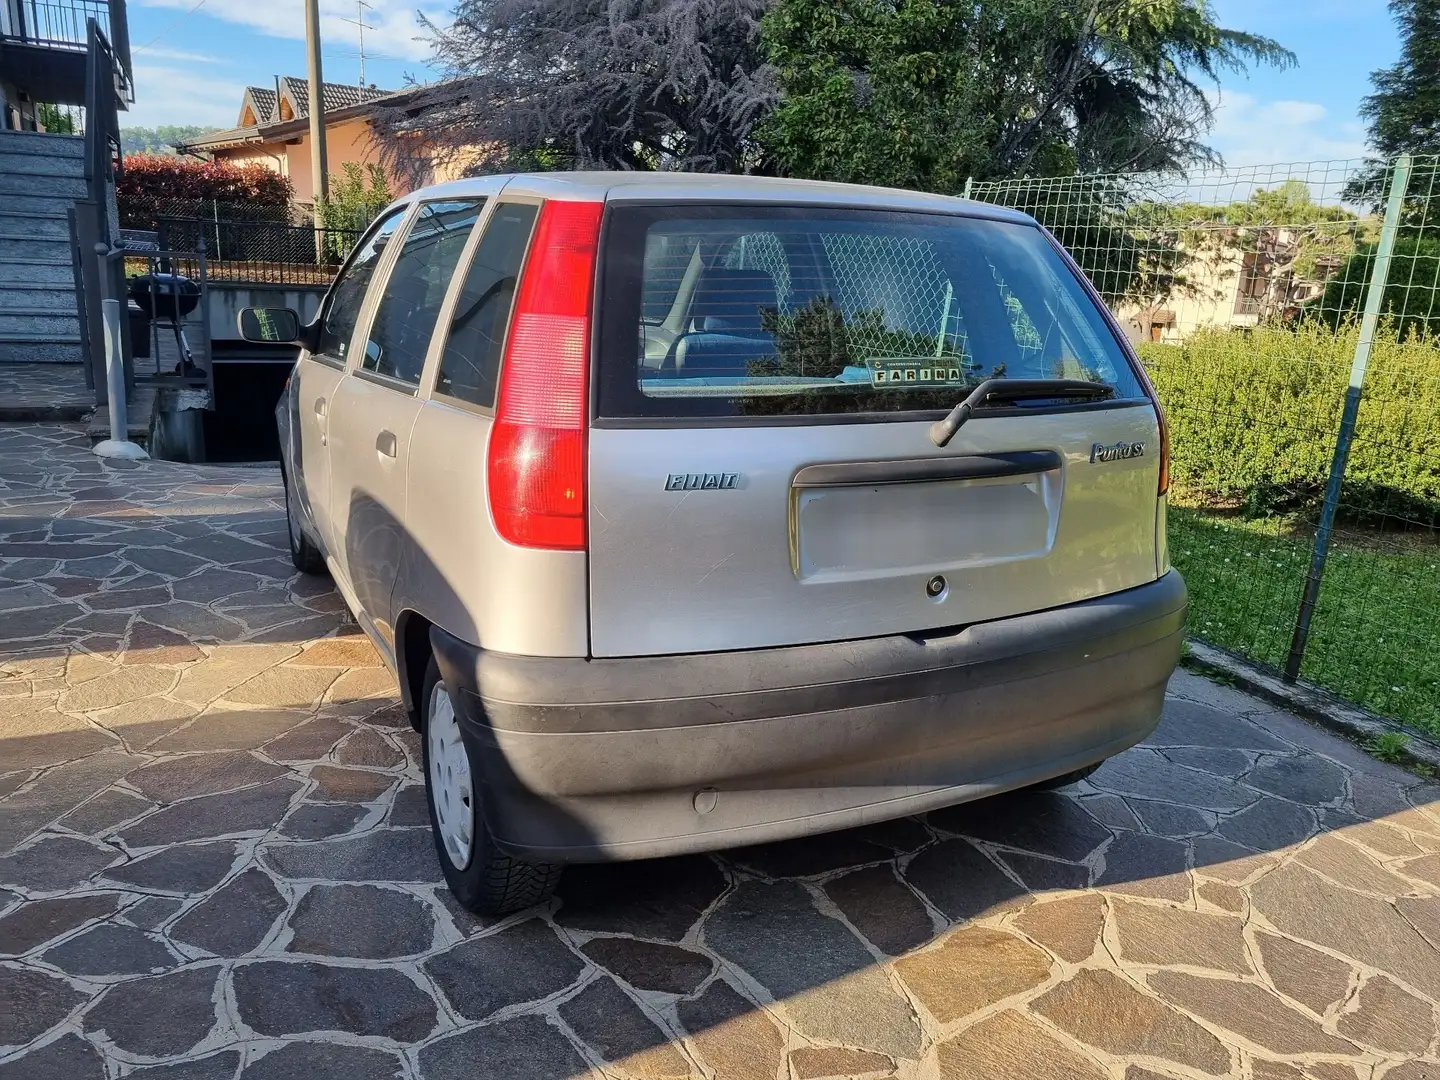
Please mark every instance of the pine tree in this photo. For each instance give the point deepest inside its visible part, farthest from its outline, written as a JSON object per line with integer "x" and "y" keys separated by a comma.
{"x": 1404, "y": 115}
{"x": 1404, "y": 110}
{"x": 925, "y": 93}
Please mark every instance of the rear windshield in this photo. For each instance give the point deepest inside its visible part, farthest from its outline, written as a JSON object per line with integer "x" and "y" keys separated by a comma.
{"x": 757, "y": 310}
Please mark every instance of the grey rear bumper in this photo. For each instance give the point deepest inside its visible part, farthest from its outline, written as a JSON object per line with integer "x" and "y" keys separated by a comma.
{"x": 586, "y": 760}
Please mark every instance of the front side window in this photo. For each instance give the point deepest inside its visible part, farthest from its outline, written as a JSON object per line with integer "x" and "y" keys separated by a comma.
{"x": 734, "y": 310}
{"x": 337, "y": 326}
{"x": 470, "y": 362}
{"x": 410, "y": 305}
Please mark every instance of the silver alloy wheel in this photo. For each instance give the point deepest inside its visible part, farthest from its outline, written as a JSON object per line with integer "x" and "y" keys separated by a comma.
{"x": 450, "y": 786}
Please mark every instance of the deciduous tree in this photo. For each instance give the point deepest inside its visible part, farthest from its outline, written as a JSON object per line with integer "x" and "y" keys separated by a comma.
{"x": 926, "y": 93}
{"x": 159, "y": 140}
{"x": 621, "y": 84}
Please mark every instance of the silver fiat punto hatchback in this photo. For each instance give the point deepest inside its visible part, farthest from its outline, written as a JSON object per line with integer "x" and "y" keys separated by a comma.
{"x": 699, "y": 511}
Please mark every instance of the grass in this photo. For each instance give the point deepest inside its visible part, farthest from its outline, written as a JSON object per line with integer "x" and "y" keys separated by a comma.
{"x": 1376, "y": 634}
{"x": 1389, "y": 747}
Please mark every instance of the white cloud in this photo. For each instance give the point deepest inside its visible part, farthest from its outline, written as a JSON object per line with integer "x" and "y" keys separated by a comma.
{"x": 172, "y": 95}
{"x": 1291, "y": 114}
{"x": 395, "y": 31}
{"x": 159, "y": 52}
{"x": 1252, "y": 132}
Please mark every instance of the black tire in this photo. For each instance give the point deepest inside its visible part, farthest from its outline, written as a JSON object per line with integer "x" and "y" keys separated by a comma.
{"x": 1065, "y": 779}
{"x": 304, "y": 555}
{"x": 491, "y": 882}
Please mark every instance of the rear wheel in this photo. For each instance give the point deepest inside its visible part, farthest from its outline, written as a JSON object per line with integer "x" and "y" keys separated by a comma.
{"x": 480, "y": 876}
{"x": 1065, "y": 779}
{"x": 305, "y": 556}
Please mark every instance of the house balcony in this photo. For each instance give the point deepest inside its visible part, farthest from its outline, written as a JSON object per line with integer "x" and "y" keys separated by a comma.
{"x": 43, "y": 43}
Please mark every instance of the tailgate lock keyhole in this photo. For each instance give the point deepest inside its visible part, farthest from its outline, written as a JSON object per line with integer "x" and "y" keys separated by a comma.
{"x": 935, "y": 587}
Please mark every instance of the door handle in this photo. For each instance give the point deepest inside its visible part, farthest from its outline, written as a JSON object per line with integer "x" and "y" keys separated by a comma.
{"x": 320, "y": 415}
{"x": 385, "y": 443}
{"x": 320, "y": 407}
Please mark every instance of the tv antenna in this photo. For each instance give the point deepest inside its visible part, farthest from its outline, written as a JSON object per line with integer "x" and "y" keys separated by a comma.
{"x": 359, "y": 21}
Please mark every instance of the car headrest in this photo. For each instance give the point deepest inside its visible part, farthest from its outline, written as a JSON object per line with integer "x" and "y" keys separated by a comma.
{"x": 730, "y": 301}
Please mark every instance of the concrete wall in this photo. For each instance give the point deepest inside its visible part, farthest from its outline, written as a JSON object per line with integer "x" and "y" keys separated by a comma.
{"x": 15, "y": 115}
{"x": 224, "y": 302}
{"x": 271, "y": 156}
{"x": 345, "y": 142}
{"x": 1206, "y": 299}
{"x": 348, "y": 142}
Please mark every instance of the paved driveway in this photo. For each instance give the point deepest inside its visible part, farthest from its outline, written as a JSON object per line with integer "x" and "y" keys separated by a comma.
{"x": 214, "y": 863}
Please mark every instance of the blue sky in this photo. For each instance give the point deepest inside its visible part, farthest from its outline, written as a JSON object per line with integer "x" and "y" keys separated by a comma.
{"x": 193, "y": 62}
{"x": 1308, "y": 112}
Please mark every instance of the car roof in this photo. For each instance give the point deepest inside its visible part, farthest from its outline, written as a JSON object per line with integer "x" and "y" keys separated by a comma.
{"x": 711, "y": 187}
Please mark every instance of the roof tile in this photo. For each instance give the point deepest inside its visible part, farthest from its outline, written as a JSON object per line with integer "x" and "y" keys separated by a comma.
{"x": 336, "y": 95}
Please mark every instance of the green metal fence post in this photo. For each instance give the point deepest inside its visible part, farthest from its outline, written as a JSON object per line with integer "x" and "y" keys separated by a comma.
{"x": 1379, "y": 277}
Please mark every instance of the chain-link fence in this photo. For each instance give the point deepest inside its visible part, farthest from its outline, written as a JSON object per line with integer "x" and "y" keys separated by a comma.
{"x": 1288, "y": 316}
{"x": 140, "y": 210}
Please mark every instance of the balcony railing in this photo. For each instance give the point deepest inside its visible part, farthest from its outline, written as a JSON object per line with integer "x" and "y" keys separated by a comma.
{"x": 61, "y": 24}
{"x": 1249, "y": 303}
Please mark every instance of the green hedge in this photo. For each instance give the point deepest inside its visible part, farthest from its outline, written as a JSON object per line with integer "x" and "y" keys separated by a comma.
{"x": 1254, "y": 414}
{"x": 1411, "y": 300}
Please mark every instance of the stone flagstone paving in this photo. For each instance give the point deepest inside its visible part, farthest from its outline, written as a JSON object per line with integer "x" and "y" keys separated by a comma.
{"x": 214, "y": 864}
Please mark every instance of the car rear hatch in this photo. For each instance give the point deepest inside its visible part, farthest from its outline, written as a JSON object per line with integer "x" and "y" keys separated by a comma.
{"x": 762, "y": 467}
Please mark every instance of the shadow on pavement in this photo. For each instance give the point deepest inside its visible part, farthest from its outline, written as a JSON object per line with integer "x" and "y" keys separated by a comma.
{"x": 245, "y": 824}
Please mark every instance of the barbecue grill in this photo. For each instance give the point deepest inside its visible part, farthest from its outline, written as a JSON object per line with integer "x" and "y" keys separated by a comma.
{"x": 168, "y": 299}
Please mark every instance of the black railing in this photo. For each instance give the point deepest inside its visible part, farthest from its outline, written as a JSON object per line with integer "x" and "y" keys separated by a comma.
{"x": 62, "y": 24}
{"x": 102, "y": 116}
{"x": 264, "y": 252}
{"x": 98, "y": 277}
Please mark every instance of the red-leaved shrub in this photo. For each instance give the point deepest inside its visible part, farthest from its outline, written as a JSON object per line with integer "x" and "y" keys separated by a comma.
{"x": 151, "y": 186}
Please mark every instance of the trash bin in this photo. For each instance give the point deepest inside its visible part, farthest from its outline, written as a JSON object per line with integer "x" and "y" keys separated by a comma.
{"x": 139, "y": 331}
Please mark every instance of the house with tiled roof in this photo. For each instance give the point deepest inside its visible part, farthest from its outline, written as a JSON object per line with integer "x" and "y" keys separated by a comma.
{"x": 258, "y": 104}
{"x": 273, "y": 129}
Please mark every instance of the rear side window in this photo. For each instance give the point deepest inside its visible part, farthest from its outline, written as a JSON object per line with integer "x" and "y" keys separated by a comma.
{"x": 470, "y": 363}
{"x": 736, "y": 310}
{"x": 406, "y": 315}
{"x": 348, "y": 293}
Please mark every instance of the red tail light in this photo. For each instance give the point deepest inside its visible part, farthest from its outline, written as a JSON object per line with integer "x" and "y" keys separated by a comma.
{"x": 1164, "y": 449}
{"x": 1160, "y": 418}
{"x": 537, "y": 447}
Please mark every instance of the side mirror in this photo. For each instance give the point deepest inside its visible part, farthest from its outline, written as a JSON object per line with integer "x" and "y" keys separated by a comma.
{"x": 269, "y": 326}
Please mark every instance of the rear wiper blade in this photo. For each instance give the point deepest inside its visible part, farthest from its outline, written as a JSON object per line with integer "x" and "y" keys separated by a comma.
{"x": 992, "y": 392}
